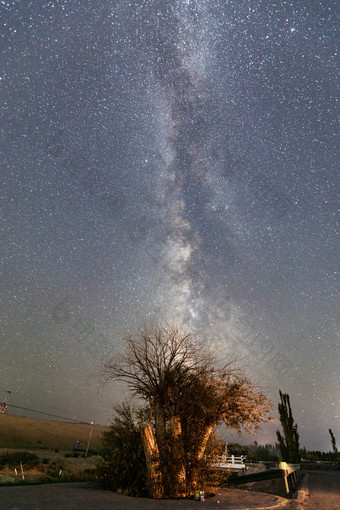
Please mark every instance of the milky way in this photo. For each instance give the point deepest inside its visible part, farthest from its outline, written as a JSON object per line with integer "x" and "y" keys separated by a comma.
{"x": 171, "y": 161}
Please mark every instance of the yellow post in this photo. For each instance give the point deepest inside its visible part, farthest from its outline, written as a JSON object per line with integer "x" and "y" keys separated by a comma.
{"x": 284, "y": 467}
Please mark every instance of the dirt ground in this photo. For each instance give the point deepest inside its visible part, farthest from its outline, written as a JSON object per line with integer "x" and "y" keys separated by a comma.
{"x": 276, "y": 487}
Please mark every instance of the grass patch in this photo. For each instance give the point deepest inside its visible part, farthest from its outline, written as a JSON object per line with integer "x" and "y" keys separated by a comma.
{"x": 20, "y": 432}
{"x": 45, "y": 466}
{"x": 275, "y": 487}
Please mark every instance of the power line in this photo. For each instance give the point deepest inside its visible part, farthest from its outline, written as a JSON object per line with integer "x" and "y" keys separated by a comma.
{"x": 4, "y": 405}
{"x": 47, "y": 414}
{"x": 9, "y": 395}
{"x": 24, "y": 398}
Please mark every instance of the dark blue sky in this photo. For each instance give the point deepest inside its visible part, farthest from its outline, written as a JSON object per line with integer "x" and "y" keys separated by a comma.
{"x": 170, "y": 161}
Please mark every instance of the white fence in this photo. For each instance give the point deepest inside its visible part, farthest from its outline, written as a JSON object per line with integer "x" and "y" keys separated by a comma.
{"x": 231, "y": 462}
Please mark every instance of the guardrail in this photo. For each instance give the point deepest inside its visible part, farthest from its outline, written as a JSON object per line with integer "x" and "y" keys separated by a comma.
{"x": 291, "y": 473}
{"x": 270, "y": 474}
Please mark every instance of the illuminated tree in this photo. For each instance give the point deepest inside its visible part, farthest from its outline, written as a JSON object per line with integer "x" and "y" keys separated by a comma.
{"x": 188, "y": 395}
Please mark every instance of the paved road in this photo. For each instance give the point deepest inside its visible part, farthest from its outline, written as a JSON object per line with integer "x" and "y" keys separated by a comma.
{"x": 324, "y": 491}
{"x": 84, "y": 497}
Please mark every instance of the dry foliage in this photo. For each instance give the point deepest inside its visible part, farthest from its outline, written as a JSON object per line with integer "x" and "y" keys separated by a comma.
{"x": 188, "y": 395}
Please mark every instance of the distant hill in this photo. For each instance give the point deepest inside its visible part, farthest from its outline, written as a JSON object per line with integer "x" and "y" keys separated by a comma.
{"x": 22, "y": 432}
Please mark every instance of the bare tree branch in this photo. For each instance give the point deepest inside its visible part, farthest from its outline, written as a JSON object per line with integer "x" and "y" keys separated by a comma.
{"x": 183, "y": 385}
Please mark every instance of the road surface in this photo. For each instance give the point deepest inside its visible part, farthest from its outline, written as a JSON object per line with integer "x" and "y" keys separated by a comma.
{"x": 84, "y": 497}
{"x": 324, "y": 491}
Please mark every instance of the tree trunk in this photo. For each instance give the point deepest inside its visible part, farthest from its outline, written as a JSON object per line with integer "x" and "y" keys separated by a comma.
{"x": 204, "y": 443}
{"x": 175, "y": 429}
{"x": 160, "y": 424}
{"x": 152, "y": 462}
{"x": 194, "y": 481}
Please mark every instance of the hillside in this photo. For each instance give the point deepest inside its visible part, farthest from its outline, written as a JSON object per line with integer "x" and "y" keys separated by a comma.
{"x": 22, "y": 432}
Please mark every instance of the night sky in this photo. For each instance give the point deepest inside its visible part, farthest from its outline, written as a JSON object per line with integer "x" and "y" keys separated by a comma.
{"x": 170, "y": 161}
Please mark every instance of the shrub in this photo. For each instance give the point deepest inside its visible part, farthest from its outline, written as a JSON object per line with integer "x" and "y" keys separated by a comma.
{"x": 13, "y": 459}
{"x": 88, "y": 475}
{"x": 123, "y": 468}
{"x": 53, "y": 470}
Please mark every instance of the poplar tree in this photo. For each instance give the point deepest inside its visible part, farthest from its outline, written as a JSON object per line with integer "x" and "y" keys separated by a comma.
{"x": 335, "y": 450}
{"x": 288, "y": 442}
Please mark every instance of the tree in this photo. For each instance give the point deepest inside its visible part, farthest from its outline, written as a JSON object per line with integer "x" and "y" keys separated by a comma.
{"x": 124, "y": 465}
{"x": 335, "y": 450}
{"x": 289, "y": 442}
{"x": 188, "y": 395}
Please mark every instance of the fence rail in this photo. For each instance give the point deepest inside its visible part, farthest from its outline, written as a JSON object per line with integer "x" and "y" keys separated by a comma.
{"x": 231, "y": 462}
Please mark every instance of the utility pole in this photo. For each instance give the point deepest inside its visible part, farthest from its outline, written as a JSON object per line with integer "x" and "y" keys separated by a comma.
{"x": 3, "y": 405}
{"x": 88, "y": 443}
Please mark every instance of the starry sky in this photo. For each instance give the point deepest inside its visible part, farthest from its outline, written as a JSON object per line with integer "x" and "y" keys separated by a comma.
{"x": 169, "y": 161}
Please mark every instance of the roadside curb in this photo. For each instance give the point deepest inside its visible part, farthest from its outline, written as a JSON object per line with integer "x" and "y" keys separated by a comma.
{"x": 281, "y": 503}
{"x": 301, "y": 495}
